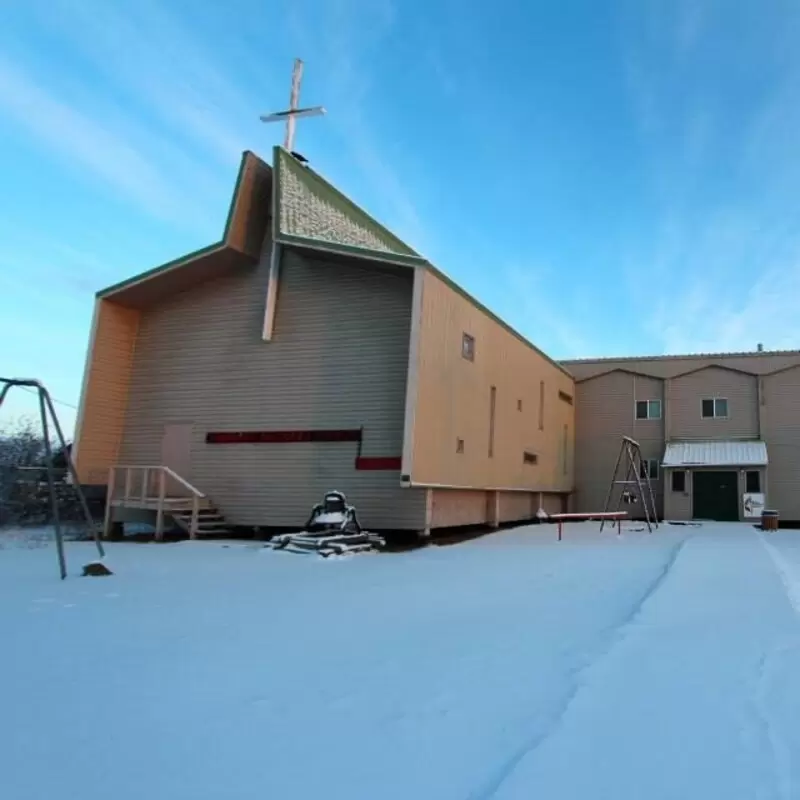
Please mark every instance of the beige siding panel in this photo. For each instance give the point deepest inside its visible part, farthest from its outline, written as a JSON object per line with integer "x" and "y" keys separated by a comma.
{"x": 518, "y": 505}
{"x": 338, "y": 360}
{"x": 453, "y": 402}
{"x": 455, "y": 507}
{"x": 552, "y": 503}
{"x": 605, "y": 412}
{"x": 106, "y": 391}
{"x": 677, "y": 505}
{"x": 755, "y": 363}
{"x": 781, "y": 420}
{"x": 741, "y": 392}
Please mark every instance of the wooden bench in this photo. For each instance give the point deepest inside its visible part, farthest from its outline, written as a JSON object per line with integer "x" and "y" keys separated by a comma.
{"x": 615, "y": 516}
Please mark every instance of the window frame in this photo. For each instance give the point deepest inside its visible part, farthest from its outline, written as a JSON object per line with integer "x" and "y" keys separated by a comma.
{"x": 682, "y": 473}
{"x": 649, "y": 416}
{"x": 467, "y": 347}
{"x": 747, "y": 474}
{"x": 650, "y": 462}
{"x": 714, "y": 414}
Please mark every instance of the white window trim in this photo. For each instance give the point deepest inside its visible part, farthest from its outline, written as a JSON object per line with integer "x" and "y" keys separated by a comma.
{"x": 648, "y": 401}
{"x": 713, "y": 400}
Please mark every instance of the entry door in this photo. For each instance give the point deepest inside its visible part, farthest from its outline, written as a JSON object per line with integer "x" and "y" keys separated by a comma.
{"x": 715, "y": 496}
{"x": 176, "y": 453}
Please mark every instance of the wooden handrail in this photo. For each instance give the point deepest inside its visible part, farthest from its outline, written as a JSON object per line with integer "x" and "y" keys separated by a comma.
{"x": 160, "y": 467}
{"x": 130, "y": 494}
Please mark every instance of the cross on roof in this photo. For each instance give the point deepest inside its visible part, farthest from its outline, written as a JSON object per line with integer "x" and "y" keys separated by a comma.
{"x": 293, "y": 112}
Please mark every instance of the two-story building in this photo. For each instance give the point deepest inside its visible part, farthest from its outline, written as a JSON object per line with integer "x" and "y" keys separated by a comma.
{"x": 720, "y": 434}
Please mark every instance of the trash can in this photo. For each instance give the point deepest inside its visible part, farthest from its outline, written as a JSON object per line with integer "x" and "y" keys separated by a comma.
{"x": 769, "y": 520}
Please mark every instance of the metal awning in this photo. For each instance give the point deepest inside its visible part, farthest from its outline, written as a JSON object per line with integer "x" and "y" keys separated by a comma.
{"x": 715, "y": 454}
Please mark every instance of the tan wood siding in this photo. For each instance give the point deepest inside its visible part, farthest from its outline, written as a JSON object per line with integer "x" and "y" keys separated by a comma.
{"x": 105, "y": 394}
{"x": 605, "y": 412}
{"x": 337, "y": 360}
{"x": 687, "y": 392}
{"x": 456, "y": 507}
{"x": 454, "y": 396}
{"x": 781, "y": 432}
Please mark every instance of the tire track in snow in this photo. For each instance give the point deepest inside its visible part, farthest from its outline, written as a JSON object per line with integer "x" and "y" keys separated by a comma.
{"x": 776, "y": 749}
{"x": 789, "y": 575}
{"x": 615, "y": 637}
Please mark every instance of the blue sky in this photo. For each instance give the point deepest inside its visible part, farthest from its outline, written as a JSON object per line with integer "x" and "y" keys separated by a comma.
{"x": 612, "y": 178}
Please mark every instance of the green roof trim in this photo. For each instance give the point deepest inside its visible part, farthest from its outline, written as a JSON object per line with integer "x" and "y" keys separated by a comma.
{"x": 352, "y": 250}
{"x": 186, "y": 258}
{"x": 499, "y": 320}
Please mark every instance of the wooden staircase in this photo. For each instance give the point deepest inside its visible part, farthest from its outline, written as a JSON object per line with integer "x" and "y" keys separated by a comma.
{"x": 210, "y": 521}
{"x": 162, "y": 490}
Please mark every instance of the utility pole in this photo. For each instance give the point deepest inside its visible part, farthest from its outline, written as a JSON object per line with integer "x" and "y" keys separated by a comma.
{"x": 294, "y": 111}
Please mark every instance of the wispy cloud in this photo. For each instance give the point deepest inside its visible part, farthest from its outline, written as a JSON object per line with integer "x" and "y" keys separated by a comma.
{"x": 343, "y": 53}
{"x": 79, "y": 137}
{"x": 721, "y": 259}
{"x": 545, "y": 314}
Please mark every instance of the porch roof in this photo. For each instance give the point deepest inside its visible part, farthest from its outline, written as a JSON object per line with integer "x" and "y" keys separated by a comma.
{"x": 716, "y": 454}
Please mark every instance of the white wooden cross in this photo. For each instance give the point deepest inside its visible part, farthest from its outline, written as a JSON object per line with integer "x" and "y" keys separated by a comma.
{"x": 293, "y": 112}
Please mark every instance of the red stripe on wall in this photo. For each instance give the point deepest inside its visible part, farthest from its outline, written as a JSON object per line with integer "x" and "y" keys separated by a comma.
{"x": 282, "y": 437}
{"x": 380, "y": 463}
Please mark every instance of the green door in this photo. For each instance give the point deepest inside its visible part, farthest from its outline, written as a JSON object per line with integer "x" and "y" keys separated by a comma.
{"x": 715, "y": 495}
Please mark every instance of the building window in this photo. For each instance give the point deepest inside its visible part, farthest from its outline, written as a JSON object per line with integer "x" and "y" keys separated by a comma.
{"x": 459, "y": 445}
{"x": 679, "y": 480}
{"x": 468, "y": 347}
{"x": 519, "y": 405}
{"x": 648, "y": 409}
{"x": 530, "y": 458}
{"x": 715, "y": 408}
{"x": 752, "y": 481}
{"x": 492, "y": 404}
{"x": 567, "y": 398}
{"x": 648, "y": 467}
{"x": 541, "y": 405}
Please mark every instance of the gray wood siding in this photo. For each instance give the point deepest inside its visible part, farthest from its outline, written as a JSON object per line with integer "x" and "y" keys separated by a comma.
{"x": 338, "y": 360}
{"x": 604, "y": 413}
{"x": 687, "y": 392}
{"x": 781, "y": 431}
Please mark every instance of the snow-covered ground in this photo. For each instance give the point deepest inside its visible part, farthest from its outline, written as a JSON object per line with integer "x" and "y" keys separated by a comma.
{"x": 513, "y": 666}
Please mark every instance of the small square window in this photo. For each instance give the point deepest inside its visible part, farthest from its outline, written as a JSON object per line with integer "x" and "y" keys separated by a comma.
{"x": 468, "y": 347}
{"x": 530, "y": 458}
{"x": 714, "y": 408}
{"x": 648, "y": 409}
{"x": 679, "y": 480}
{"x": 459, "y": 445}
{"x": 649, "y": 466}
{"x": 753, "y": 481}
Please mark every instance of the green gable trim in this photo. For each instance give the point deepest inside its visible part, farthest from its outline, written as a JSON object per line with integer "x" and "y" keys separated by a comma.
{"x": 352, "y": 250}
{"x": 499, "y": 320}
{"x": 185, "y": 259}
{"x": 309, "y": 207}
{"x": 150, "y": 273}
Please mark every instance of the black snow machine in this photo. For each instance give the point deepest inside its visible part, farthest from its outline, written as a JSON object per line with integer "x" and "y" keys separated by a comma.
{"x": 332, "y": 530}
